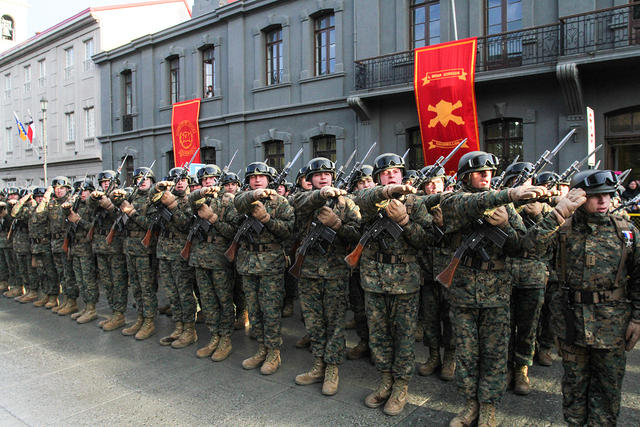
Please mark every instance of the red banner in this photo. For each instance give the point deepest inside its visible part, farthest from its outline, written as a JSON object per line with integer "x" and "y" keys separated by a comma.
{"x": 446, "y": 100}
{"x": 185, "y": 131}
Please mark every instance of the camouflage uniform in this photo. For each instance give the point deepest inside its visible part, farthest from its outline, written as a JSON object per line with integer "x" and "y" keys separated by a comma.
{"x": 58, "y": 229}
{"x": 601, "y": 301}
{"x": 84, "y": 263}
{"x": 25, "y": 273}
{"x": 7, "y": 263}
{"x": 41, "y": 252}
{"x": 391, "y": 279}
{"x": 262, "y": 267}
{"x": 324, "y": 277}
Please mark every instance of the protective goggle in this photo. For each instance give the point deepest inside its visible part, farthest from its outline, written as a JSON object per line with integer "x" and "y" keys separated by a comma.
{"x": 483, "y": 160}
{"x": 105, "y": 176}
{"x": 600, "y": 178}
{"x": 521, "y": 166}
{"x": 138, "y": 172}
{"x": 59, "y": 183}
{"x": 207, "y": 171}
{"x": 389, "y": 161}
{"x": 321, "y": 164}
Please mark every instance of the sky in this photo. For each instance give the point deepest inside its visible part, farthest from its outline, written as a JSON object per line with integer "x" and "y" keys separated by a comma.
{"x": 46, "y": 13}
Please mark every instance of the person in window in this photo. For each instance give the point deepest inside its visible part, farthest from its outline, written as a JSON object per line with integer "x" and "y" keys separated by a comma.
{"x": 209, "y": 93}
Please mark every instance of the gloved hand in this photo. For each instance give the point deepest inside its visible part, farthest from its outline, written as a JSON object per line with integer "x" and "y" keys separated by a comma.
{"x": 210, "y": 191}
{"x": 73, "y": 217}
{"x": 164, "y": 185}
{"x": 105, "y": 203}
{"x": 118, "y": 196}
{"x": 397, "y": 211}
{"x": 498, "y": 217}
{"x": 568, "y": 204}
{"x": 259, "y": 212}
{"x": 632, "y": 335}
{"x": 264, "y": 193}
{"x": 66, "y": 205}
{"x": 389, "y": 191}
{"x": 205, "y": 212}
{"x": 329, "y": 192}
{"x": 329, "y": 218}
{"x": 97, "y": 194}
{"x": 127, "y": 208}
{"x": 532, "y": 209}
{"x": 47, "y": 193}
{"x": 436, "y": 213}
{"x": 24, "y": 198}
{"x": 227, "y": 198}
{"x": 525, "y": 193}
{"x": 169, "y": 200}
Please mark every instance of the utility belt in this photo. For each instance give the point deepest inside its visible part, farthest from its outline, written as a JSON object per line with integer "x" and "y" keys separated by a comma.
{"x": 56, "y": 236}
{"x": 479, "y": 264}
{"x": 216, "y": 239}
{"x": 393, "y": 259}
{"x": 132, "y": 233}
{"x": 170, "y": 235}
{"x": 572, "y": 353}
{"x": 264, "y": 247}
{"x": 101, "y": 231}
{"x": 39, "y": 240}
{"x": 595, "y": 297}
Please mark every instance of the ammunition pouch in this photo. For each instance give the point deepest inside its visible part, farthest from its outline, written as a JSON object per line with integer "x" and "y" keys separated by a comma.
{"x": 130, "y": 233}
{"x": 478, "y": 264}
{"x": 596, "y": 297}
{"x": 393, "y": 259}
{"x": 56, "y": 236}
{"x": 265, "y": 247}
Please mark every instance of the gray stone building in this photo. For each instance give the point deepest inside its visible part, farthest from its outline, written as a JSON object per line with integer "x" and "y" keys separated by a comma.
{"x": 334, "y": 75}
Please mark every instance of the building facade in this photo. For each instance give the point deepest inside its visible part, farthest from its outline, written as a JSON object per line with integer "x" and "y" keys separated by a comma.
{"x": 332, "y": 76}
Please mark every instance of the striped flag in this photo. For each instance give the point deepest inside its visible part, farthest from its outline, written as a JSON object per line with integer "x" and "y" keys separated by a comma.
{"x": 21, "y": 130}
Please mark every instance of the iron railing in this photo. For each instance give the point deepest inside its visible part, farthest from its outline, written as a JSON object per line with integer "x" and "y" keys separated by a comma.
{"x": 604, "y": 29}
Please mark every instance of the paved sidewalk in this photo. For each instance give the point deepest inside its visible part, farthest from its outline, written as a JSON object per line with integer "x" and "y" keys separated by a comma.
{"x": 56, "y": 372}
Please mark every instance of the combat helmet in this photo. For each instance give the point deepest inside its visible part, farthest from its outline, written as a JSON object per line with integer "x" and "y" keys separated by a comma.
{"x": 595, "y": 181}
{"x": 476, "y": 161}
{"x": 387, "y": 161}
{"x": 257, "y": 168}
{"x": 320, "y": 164}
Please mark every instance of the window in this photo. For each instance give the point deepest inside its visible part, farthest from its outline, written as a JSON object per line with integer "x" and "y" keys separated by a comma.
{"x": 208, "y": 72}
{"x": 71, "y": 126}
{"x": 274, "y": 153}
{"x": 325, "y": 146}
{"x": 127, "y": 96}
{"x": 6, "y": 22}
{"x": 68, "y": 63}
{"x": 622, "y": 133}
{"x": 274, "y": 56}
{"x": 171, "y": 163}
{"x": 174, "y": 79}
{"x": 425, "y": 23}
{"x": 27, "y": 79}
{"x": 128, "y": 170}
{"x": 8, "y": 139}
{"x": 208, "y": 155}
{"x": 7, "y": 85}
{"x": 502, "y": 16}
{"x": 42, "y": 72}
{"x": 88, "y": 53}
{"x": 325, "y": 44}
{"x": 503, "y": 137}
{"x": 415, "y": 159}
{"x": 89, "y": 123}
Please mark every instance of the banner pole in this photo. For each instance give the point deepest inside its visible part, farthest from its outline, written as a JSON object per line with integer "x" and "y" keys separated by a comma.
{"x": 455, "y": 20}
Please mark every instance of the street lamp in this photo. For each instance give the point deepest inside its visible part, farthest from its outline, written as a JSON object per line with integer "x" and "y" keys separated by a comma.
{"x": 43, "y": 107}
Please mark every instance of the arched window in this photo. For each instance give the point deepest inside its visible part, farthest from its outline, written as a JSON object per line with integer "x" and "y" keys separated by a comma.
{"x": 503, "y": 137}
{"x": 6, "y": 22}
{"x": 325, "y": 146}
{"x": 274, "y": 153}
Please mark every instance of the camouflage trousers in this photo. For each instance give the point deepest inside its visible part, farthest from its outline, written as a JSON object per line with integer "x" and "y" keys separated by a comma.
{"x": 177, "y": 279}
{"x": 324, "y": 303}
{"x": 84, "y": 268}
{"x": 25, "y": 273}
{"x": 591, "y": 384}
{"x": 436, "y": 314}
{"x": 356, "y": 302}
{"x": 545, "y": 335}
{"x": 526, "y": 304}
{"x": 239, "y": 300}
{"x": 142, "y": 274}
{"x": 481, "y": 352}
{"x": 290, "y": 287}
{"x": 66, "y": 276}
{"x": 112, "y": 276}
{"x": 392, "y": 323}
{"x": 47, "y": 274}
{"x": 264, "y": 294}
{"x": 216, "y": 297}
{"x": 7, "y": 266}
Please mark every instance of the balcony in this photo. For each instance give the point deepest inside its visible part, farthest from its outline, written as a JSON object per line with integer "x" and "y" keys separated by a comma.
{"x": 603, "y": 30}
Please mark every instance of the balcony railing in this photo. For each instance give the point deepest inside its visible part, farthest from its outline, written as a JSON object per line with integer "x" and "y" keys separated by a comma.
{"x": 604, "y": 29}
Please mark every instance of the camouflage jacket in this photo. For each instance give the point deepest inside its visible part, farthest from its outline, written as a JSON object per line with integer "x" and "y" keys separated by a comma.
{"x": 37, "y": 225}
{"x": 270, "y": 260}
{"x": 379, "y": 273}
{"x": 57, "y": 223}
{"x": 20, "y": 238}
{"x": 5, "y": 224}
{"x": 81, "y": 246}
{"x": 594, "y": 252}
{"x": 173, "y": 234}
{"x": 137, "y": 226}
{"x": 330, "y": 265}
{"x": 207, "y": 250}
{"x": 103, "y": 220}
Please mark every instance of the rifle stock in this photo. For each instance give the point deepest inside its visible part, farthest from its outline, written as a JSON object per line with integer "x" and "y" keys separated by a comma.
{"x": 111, "y": 234}
{"x": 297, "y": 266}
{"x": 230, "y": 253}
{"x": 146, "y": 241}
{"x": 186, "y": 250}
{"x": 91, "y": 231}
{"x": 65, "y": 245}
{"x": 354, "y": 257}
{"x": 446, "y": 276}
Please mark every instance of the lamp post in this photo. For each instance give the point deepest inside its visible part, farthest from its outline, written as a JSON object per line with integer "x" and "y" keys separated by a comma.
{"x": 43, "y": 107}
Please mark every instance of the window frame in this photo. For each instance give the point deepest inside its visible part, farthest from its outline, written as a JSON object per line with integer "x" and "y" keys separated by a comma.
{"x": 330, "y": 153}
{"x": 505, "y": 139}
{"x": 212, "y": 63}
{"x": 205, "y": 156}
{"x": 426, "y": 5}
{"x": 68, "y": 62}
{"x": 329, "y": 31}
{"x": 272, "y": 66}
{"x": 90, "y": 123}
{"x": 88, "y": 63}
{"x": 416, "y": 154}
{"x": 42, "y": 72}
{"x": 70, "y": 126}
{"x": 12, "y": 35}
{"x": 174, "y": 79}
{"x": 9, "y": 139}
{"x": 276, "y": 159}
{"x": 27, "y": 81}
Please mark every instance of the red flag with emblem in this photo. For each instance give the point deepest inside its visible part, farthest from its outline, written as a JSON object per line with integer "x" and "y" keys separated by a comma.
{"x": 185, "y": 131}
{"x": 445, "y": 97}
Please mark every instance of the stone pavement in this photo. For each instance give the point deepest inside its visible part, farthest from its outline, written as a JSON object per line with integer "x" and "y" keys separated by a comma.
{"x": 56, "y": 372}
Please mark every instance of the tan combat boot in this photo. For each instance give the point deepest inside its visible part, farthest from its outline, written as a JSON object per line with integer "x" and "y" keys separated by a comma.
{"x": 177, "y": 331}
{"x": 382, "y": 393}
{"x": 242, "y": 321}
{"x": 30, "y": 296}
{"x": 467, "y": 416}
{"x": 448, "y": 371}
{"x": 187, "y": 337}
{"x": 65, "y": 302}
{"x": 72, "y": 307}
{"x": 52, "y": 302}
{"x": 147, "y": 329}
{"x": 223, "y": 351}
{"x": 4, "y": 286}
{"x": 544, "y": 357}
{"x": 487, "y": 415}
{"x": 40, "y": 302}
{"x": 521, "y": 383}
{"x": 133, "y": 329}
{"x": 89, "y": 314}
{"x": 75, "y": 316}
{"x": 398, "y": 398}
{"x": 315, "y": 375}
{"x": 272, "y": 362}
{"x": 116, "y": 321}
{"x": 432, "y": 364}
{"x": 13, "y": 292}
{"x": 256, "y": 360}
{"x": 331, "y": 380}
{"x": 419, "y": 332}
{"x": 208, "y": 349}
{"x": 103, "y": 322}
{"x": 304, "y": 342}
{"x": 359, "y": 351}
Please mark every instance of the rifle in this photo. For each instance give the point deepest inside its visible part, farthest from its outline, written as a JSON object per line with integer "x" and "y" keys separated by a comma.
{"x": 545, "y": 159}
{"x": 439, "y": 164}
{"x": 71, "y": 227}
{"x": 100, "y": 215}
{"x": 500, "y": 179}
{"x": 450, "y": 180}
{"x": 633, "y": 201}
{"x": 12, "y": 229}
{"x": 348, "y": 182}
{"x": 340, "y": 172}
{"x": 474, "y": 242}
{"x": 383, "y": 224}
{"x": 573, "y": 168}
{"x": 282, "y": 176}
{"x": 228, "y": 166}
{"x": 122, "y": 219}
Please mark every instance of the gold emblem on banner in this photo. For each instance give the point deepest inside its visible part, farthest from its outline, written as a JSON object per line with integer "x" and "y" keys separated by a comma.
{"x": 446, "y": 145}
{"x": 444, "y": 113}
{"x": 444, "y": 74}
{"x": 186, "y": 134}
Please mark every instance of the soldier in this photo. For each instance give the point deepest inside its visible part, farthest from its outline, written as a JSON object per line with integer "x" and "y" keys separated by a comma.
{"x": 323, "y": 288}
{"x": 595, "y": 305}
{"x": 110, "y": 260}
{"x": 174, "y": 273}
{"x": 391, "y": 278}
{"x": 84, "y": 262}
{"x": 8, "y": 259}
{"x": 262, "y": 264}
{"x": 21, "y": 212}
{"x": 140, "y": 259}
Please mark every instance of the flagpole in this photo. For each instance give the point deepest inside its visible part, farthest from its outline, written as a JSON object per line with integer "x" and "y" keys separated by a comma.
{"x": 43, "y": 107}
{"x": 455, "y": 20}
